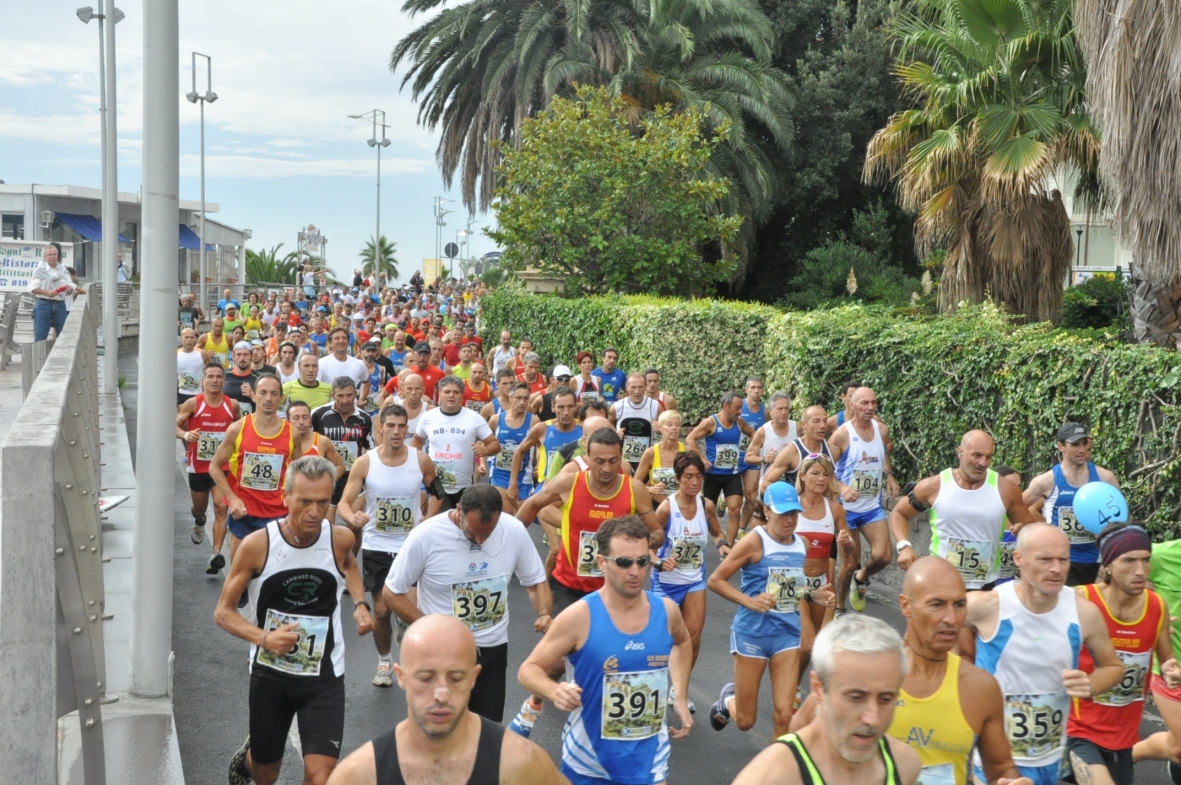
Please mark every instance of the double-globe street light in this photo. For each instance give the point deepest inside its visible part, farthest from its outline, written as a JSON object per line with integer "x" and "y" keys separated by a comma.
{"x": 373, "y": 141}
{"x": 110, "y": 209}
{"x": 203, "y": 98}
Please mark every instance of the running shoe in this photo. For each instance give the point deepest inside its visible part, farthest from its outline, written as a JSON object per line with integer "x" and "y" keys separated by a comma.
{"x": 740, "y": 535}
{"x": 385, "y": 674}
{"x": 857, "y": 596}
{"x": 797, "y": 702}
{"x": 399, "y": 629}
{"x": 239, "y": 772}
{"x": 198, "y": 534}
{"x": 216, "y": 562}
{"x": 719, "y": 715}
{"x": 526, "y": 718}
{"x": 672, "y": 698}
{"x": 1174, "y": 772}
{"x": 244, "y": 600}
{"x": 838, "y": 613}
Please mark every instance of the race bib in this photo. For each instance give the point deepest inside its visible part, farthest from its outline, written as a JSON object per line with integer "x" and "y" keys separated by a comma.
{"x": 394, "y": 514}
{"x": 186, "y": 381}
{"x": 785, "y": 584}
{"x": 252, "y": 335}
{"x": 348, "y": 453}
{"x": 446, "y": 472}
{"x": 370, "y": 403}
{"x": 666, "y": 476}
{"x": 480, "y": 604}
{"x": 260, "y": 471}
{"x": 743, "y": 444}
{"x": 867, "y": 483}
{"x": 1070, "y": 526}
{"x": 815, "y": 582}
{"x": 590, "y": 395}
{"x": 220, "y": 359}
{"x": 1035, "y": 723}
{"x": 588, "y": 551}
{"x": 504, "y": 458}
{"x": 303, "y": 659}
{"x": 1008, "y": 568}
{"x": 726, "y": 457}
{"x": 633, "y": 448}
{"x": 633, "y": 704}
{"x": 1131, "y": 687}
{"x": 207, "y": 444}
{"x": 973, "y": 558}
{"x": 475, "y": 406}
{"x": 943, "y": 774}
{"x": 689, "y": 552}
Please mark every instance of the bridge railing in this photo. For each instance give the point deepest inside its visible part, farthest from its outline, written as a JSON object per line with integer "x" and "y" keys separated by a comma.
{"x": 51, "y": 580}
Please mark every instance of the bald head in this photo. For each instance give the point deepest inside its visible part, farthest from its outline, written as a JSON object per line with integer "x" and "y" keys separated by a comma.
{"x": 930, "y": 573}
{"x": 863, "y": 394}
{"x": 935, "y": 604}
{"x": 815, "y": 410}
{"x": 1035, "y": 537}
{"x": 592, "y": 424}
{"x": 976, "y": 451}
{"x": 977, "y": 439}
{"x": 433, "y": 635}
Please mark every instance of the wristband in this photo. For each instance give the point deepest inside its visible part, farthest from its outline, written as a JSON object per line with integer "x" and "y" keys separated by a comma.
{"x": 545, "y": 614}
{"x": 368, "y": 607}
{"x": 807, "y": 596}
{"x": 902, "y": 544}
{"x": 723, "y": 542}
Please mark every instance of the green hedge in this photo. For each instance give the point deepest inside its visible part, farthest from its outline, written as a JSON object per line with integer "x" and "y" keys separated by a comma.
{"x": 935, "y": 376}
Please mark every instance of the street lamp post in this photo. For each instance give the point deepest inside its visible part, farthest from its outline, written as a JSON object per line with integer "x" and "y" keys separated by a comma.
{"x": 439, "y": 224}
{"x": 378, "y": 143}
{"x": 110, "y": 208}
{"x": 208, "y": 97}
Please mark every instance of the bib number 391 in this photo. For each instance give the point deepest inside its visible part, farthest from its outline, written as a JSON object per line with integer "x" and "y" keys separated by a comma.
{"x": 588, "y": 552}
{"x": 634, "y": 704}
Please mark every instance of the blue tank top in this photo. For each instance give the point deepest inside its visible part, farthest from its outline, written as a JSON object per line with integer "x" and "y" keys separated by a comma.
{"x": 370, "y": 403}
{"x": 496, "y": 407}
{"x": 755, "y": 420}
{"x": 780, "y": 573}
{"x": 840, "y": 418}
{"x": 551, "y": 443}
{"x": 723, "y": 444}
{"x": 619, "y": 733}
{"x": 1060, "y": 502}
{"x": 509, "y": 438}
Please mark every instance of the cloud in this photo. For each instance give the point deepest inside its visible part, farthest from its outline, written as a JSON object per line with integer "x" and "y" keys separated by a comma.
{"x": 257, "y": 166}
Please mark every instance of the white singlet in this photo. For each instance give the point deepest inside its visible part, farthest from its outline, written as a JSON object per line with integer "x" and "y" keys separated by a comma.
{"x": 392, "y": 501}
{"x": 190, "y": 370}
{"x": 967, "y": 528}
{"x": 861, "y": 467}
{"x": 773, "y": 441}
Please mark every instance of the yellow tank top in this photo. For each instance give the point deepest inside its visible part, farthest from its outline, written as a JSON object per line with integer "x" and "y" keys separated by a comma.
{"x": 935, "y": 728}
{"x": 656, "y": 453}
{"x": 220, "y": 351}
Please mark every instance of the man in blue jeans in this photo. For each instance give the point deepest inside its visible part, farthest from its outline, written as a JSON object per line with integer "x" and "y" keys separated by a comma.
{"x": 51, "y": 285}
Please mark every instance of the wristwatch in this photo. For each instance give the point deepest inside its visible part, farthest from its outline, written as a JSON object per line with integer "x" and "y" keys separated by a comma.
{"x": 902, "y": 544}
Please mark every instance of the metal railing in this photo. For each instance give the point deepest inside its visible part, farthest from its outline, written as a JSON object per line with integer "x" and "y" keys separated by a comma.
{"x": 51, "y": 581}
{"x": 128, "y": 306}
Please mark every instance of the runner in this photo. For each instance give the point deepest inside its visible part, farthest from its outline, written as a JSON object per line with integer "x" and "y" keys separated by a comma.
{"x": 1102, "y": 731}
{"x": 656, "y": 468}
{"x": 812, "y": 440}
{"x": 970, "y": 509}
{"x": 391, "y": 477}
{"x": 338, "y": 362}
{"x": 722, "y": 433}
{"x": 822, "y": 525}
{"x": 257, "y": 450}
{"x": 512, "y": 428}
{"x": 586, "y": 499}
{"x": 413, "y": 399}
{"x": 1054, "y": 490}
{"x": 861, "y": 451}
{"x": 769, "y": 624}
{"x": 1165, "y": 577}
{"x": 349, "y": 429}
{"x": 505, "y": 379}
{"x": 307, "y": 441}
{"x": 1029, "y": 634}
{"x": 377, "y": 375}
{"x": 679, "y": 567}
{"x": 190, "y": 367}
{"x": 635, "y": 416}
{"x": 611, "y": 379}
{"x": 530, "y": 373}
{"x": 547, "y": 437}
{"x": 771, "y": 438}
{"x": 308, "y": 387}
{"x": 586, "y": 386}
{"x": 1007, "y": 570}
{"x": 500, "y": 355}
{"x": 629, "y": 652}
{"x": 846, "y": 413}
{"x": 286, "y": 368}
{"x": 431, "y": 375}
{"x": 201, "y": 423}
{"x": 754, "y": 414}
{"x": 652, "y": 389}
{"x": 215, "y": 345}
{"x": 542, "y": 404}
{"x": 462, "y": 562}
{"x": 858, "y": 664}
{"x": 240, "y": 381}
{"x": 455, "y": 439}
{"x": 442, "y": 741}
{"x": 296, "y": 640}
{"x": 477, "y": 393}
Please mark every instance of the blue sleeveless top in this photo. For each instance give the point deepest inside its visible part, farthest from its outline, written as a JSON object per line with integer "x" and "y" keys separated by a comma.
{"x": 755, "y": 420}
{"x": 780, "y": 573}
{"x": 1060, "y": 502}
{"x": 726, "y": 440}
{"x": 502, "y": 463}
{"x": 619, "y": 733}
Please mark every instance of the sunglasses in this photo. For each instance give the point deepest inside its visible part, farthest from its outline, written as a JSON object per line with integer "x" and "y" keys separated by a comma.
{"x": 817, "y": 456}
{"x": 625, "y": 562}
{"x": 563, "y": 378}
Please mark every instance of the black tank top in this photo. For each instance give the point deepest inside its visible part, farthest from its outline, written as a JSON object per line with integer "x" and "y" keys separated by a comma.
{"x": 485, "y": 771}
{"x": 790, "y": 477}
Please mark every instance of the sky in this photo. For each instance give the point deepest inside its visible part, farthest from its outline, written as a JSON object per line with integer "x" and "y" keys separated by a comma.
{"x": 280, "y": 149}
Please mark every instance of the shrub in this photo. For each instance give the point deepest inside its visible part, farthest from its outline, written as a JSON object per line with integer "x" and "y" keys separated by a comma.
{"x": 1100, "y": 301}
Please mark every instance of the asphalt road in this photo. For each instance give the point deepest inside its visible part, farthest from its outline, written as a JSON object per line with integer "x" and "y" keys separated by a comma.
{"x": 211, "y": 679}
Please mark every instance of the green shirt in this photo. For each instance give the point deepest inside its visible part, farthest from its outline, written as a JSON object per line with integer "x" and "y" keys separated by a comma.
{"x": 315, "y": 396}
{"x": 1165, "y": 574}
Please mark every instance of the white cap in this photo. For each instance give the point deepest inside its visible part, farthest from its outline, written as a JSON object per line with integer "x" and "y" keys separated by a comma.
{"x": 562, "y": 370}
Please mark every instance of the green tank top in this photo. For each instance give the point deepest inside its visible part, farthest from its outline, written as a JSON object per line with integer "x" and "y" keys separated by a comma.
{"x": 810, "y": 775}
{"x": 1165, "y": 574}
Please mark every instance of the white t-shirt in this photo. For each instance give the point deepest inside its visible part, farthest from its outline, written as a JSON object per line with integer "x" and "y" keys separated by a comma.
{"x": 352, "y": 367}
{"x": 460, "y": 579}
{"x": 449, "y": 440}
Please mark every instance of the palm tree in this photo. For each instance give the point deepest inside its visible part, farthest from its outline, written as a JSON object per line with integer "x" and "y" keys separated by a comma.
{"x": 266, "y": 266}
{"x": 1001, "y": 109}
{"x": 1130, "y": 49}
{"x": 389, "y": 261}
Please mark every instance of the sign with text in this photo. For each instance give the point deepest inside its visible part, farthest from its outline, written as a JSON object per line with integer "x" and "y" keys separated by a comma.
{"x": 18, "y": 260}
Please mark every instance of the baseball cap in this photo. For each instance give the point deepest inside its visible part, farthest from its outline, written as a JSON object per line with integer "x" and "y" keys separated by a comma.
{"x": 371, "y": 345}
{"x": 422, "y": 347}
{"x": 781, "y": 498}
{"x": 1071, "y": 432}
{"x": 562, "y": 370}
{"x": 293, "y": 331}
{"x": 322, "y": 309}
{"x": 256, "y": 343}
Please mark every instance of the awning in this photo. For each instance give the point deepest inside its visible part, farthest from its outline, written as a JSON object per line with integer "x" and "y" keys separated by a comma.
{"x": 190, "y": 240}
{"x": 89, "y": 227}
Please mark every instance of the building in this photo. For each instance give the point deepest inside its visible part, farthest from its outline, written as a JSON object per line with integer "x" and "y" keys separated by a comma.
{"x": 1096, "y": 249}
{"x": 71, "y": 213}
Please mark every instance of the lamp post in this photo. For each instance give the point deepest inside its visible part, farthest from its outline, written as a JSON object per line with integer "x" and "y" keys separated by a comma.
{"x": 439, "y": 211}
{"x": 208, "y": 97}
{"x": 378, "y": 143}
{"x": 110, "y": 209}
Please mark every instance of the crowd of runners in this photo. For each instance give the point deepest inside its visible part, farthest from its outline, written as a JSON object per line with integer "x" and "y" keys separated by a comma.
{"x": 377, "y": 443}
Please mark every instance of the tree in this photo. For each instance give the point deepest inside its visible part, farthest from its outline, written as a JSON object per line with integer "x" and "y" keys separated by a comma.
{"x": 389, "y": 260}
{"x": 266, "y": 266}
{"x": 1001, "y": 108}
{"x": 1132, "y": 86}
{"x": 613, "y": 210}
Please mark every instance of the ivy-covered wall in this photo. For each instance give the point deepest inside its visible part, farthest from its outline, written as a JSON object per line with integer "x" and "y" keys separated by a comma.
{"x": 936, "y": 377}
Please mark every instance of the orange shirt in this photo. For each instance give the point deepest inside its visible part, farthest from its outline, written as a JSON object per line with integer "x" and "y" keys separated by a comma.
{"x": 582, "y": 515}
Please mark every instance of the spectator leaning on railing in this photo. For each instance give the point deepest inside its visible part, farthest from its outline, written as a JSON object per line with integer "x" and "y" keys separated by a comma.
{"x": 51, "y": 285}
